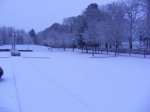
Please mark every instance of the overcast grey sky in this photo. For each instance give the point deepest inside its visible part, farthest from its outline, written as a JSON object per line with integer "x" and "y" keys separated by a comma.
{"x": 39, "y": 14}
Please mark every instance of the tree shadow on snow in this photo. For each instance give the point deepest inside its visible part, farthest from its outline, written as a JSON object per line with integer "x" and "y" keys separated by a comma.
{"x": 103, "y": 57}
{"x": 121, "y": 56}
{"x": 136, "y": 56}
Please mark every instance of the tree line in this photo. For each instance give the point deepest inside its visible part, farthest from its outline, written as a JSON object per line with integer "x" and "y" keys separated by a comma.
{"x": 117, "y": 26}
{"x": 21, "y": 37}
{"x": 113, "y": 26}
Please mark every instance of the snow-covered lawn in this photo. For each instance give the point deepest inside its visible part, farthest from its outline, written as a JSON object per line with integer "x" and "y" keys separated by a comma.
{"x": 57, "y": 81}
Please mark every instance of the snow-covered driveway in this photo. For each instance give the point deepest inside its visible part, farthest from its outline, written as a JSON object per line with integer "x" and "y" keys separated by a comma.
{"x": 73, "y": 82}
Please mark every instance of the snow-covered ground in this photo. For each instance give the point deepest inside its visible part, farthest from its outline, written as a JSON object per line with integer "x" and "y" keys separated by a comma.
{"x": 57, "y": 81}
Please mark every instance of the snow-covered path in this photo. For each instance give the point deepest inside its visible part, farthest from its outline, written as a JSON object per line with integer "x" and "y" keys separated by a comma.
{"x": 8, "y": 96}
{"x": 72, "y": 82}
{"x": 37, "y": 93}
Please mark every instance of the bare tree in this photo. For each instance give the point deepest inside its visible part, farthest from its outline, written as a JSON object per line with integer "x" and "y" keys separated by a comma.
{"x": 132, "y": 10}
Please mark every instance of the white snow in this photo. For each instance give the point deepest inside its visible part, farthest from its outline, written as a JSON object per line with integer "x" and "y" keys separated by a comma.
{"x": 57, "y": 81}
